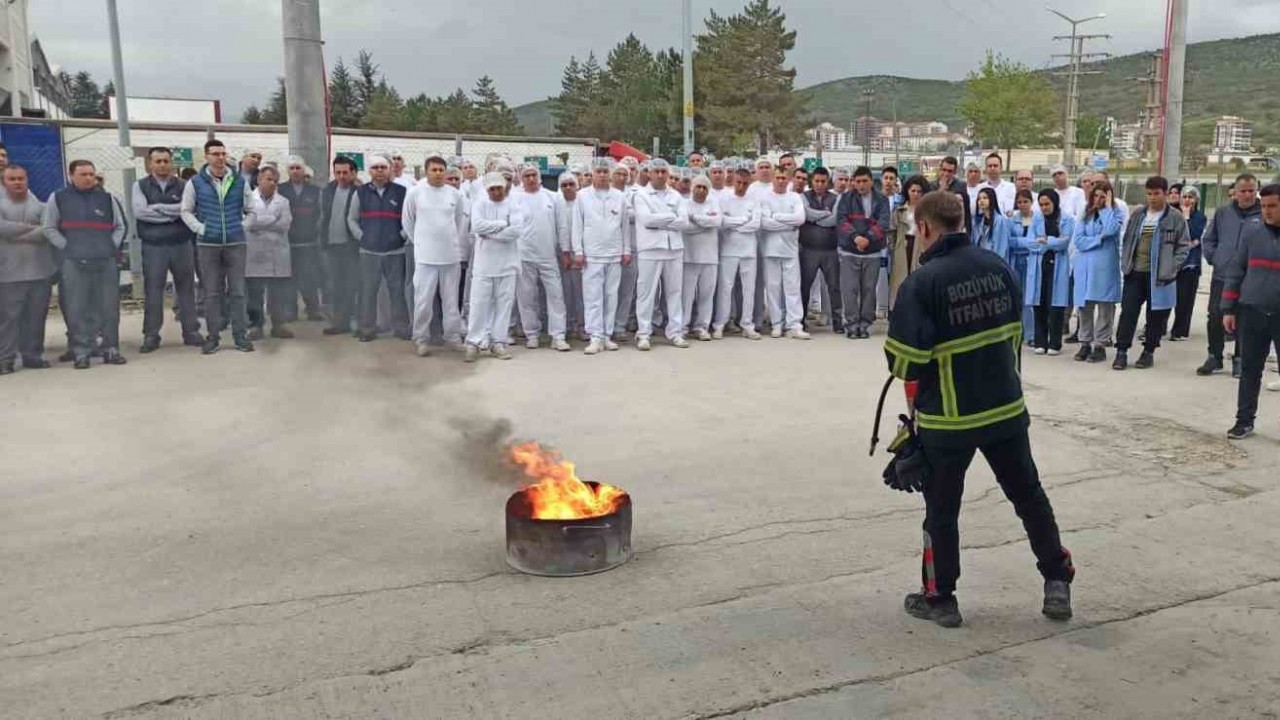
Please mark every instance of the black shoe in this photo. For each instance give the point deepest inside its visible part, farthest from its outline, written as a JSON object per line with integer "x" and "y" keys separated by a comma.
{"x": 943, "y": 611}
{"x": 851, "y": 334}
{"x": 255, "y": 333}
{"x": 404, "y": 335}
{"x": 366, "y": 337}
{"x": 1211, "y": 366}
{"x": 315, "y": 316}
{"x": 82, "y": 363}
{"x": 150, "y": 344}
{"x": 1235, "y": 367}
{"x": 1099, "y": 354}
{"x": 1177, "y": 338}
{"x": 193, "y": 340}
{"x": 1057, "y": 600}
{"x": 243, "y": 344}
{"x": 282, "y": 332}
{"x": 1122, "y": 361}
{"x": 1083, "y": 353}
{"x": 1240, "y": 431}
{"x": 334, "y": 331}
{"x": 211, "y": 345}
{"x": 6, "y": 368}
{"x": 35, "y": 363}
{"x": 68, "y": 356}
{"x": 113, "y": 357}
{"x": 1146, "y": 360}
{"x": 1072, "y": 339}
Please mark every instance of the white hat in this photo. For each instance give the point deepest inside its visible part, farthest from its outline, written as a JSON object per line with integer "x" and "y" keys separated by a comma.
{"x": 601, "y": 163}
{"x": 761, "y": 162}
{"x": 567, "y": 177}
{"x": 1058, "y": 169}
{"x": 702, "y": 180}
{"x": 659, "y": 164}
{"x": 376, "y": 160}
{"x": 493, "y": 179}
{"x": 629, "y": 162}
{"x": 531, "y": 167}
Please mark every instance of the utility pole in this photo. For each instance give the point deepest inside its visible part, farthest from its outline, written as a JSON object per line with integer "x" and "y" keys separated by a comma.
{"x": 1175, "y": 69}
{"x": 304, "y": 84}
{"x": 688, "y": 76}
{"x": 129, "y": 175}
{"x": 870, "y": 96}
{"x": 1149, "y": 116}
{"x": 1074, "y": 59}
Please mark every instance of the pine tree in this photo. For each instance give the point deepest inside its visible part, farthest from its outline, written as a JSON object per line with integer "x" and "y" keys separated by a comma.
{"x": 490, "y": 114}
{"x": 276, "y": 112}
{"x": 420, "y": 113}
{"x": 86, "y": 97}
{"x": 344, "y": 103}
{"x": 252, "y": 116}
{"x": 454, "y": 113}
{"x": 104, "y": 105}
{"x": 385, "y": 110}
{"x": 569, "y": 107}
{"x": 366, "y": 81}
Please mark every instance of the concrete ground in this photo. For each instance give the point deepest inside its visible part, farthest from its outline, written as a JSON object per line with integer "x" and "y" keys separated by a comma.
{"x": 315, "y": 530}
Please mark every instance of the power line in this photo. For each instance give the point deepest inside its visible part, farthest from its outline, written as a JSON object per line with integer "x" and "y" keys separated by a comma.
{"x": 1074, "y": 73}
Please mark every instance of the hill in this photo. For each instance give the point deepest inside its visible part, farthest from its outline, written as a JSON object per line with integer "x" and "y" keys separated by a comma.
{"x": 1239, "y": 76}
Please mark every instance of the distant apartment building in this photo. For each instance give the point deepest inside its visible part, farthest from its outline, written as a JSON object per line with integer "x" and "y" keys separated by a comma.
{"x": 1126, "y": 141}
{"x": 16, "y": 90}
{"x": 829, "y": 137}
{"x": 1232, "y": 134}
{"x": 52, "y": 97}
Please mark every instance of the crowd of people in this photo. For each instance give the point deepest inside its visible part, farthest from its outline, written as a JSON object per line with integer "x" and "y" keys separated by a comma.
{"x": 470, "y": 257}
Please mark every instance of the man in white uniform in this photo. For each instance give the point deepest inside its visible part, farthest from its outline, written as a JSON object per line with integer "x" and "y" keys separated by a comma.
{"x": 570, "y": 273}
{"x": 601, "y": 248}
{"x": 739, "y": 246}
{"x": 1072, "y": 199}
{"x": 1006, "y": 192}
{"x": 494, "y": 265}
{"x": 435, "y": 221}
{"x": 781, "y": 215}
{"x": 660, "y": 221}
{"x": 539, "y": 260}
{"x": 401, "y": 175}
{"x": 626, "y": 317}
{"x": 701, "y": 257}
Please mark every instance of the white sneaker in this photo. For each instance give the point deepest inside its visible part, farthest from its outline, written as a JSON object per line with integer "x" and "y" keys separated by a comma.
{"x": 459, "y": 346}
{"x": 799, "y": 335}
{"x": 472, "y": 354}
{"x": 679, "y": 341}
{"x": 1054, "y": 353}
{"x": 642, "y": 344}
{"x": 704, "y": 336}
{"x": 560, "y": 345}
{"x": 594, "y": 348}
{"x": 501, "y": 352}
{"x": 584, "y": 336}
{"x": 717, "y": 334}
{"x": 1040, "y": 351}
{"x": 1274, "y": 386}
{"x": 776, "y": 332}
{"x": 610, "y": 345}
{"x": 422, "y": 348}
{"x": 531, "y": 343}
{"x": 751, "y": 334}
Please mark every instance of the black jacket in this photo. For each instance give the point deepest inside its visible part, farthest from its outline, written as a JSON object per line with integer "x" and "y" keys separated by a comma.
{"x": 853, "y": 221}
{"x": 305, "y": 207}
{"x": 1252, "y": 276}
{"x": 1223, "y": 237}
{"x": 812, "y": 235}
{"x": 962, "y": 191}
{"x": 956, "y": 327}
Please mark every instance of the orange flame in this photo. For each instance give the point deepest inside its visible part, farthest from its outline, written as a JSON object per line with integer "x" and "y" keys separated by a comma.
{"x": 558, "y": 493}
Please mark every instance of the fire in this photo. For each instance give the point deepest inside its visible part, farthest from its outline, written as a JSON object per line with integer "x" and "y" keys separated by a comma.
{"x": 558, "y": 493}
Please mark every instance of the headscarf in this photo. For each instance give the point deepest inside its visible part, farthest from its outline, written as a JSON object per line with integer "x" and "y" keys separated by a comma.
{"x": 1051, "y": 222}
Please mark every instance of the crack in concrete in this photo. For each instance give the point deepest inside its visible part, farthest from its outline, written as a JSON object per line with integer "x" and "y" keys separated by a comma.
{"x": 889, "y": 677}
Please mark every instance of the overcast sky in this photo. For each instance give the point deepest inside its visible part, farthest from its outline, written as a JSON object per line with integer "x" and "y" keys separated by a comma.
{"x": 232, "y": 49}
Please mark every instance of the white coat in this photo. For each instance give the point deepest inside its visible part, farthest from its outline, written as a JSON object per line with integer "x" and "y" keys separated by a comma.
{"x": 599, "y": 224}
{"x": 701, "y": 237}
{"x": 660, "y": 221}
{"x": 266, "y": 225}
{"x": 497, "y": 227}
{"x": 739, "y": 236}
{"x": 435, "y": 219}
{"x": 781, "y": 215}
{"x": 540, "y": 240}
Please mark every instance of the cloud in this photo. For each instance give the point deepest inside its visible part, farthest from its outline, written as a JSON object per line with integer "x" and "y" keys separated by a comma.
{"x": 232, "y": 49}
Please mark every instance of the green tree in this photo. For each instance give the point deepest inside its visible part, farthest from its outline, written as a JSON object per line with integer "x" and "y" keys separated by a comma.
{"x": 385, "y": 109}
{"x": 366, "y": 81}
{"x": 252, "y": 116}
{"x": 420, "y": 114}
{"x": 490, "y": 114}
{"x": 636, "y": 93}
{"x": 1007, "y": 103}
{"x": 454, "y": 113}
{"x": 344, "y": 101}
{"x": 276, "y": 111}
{"x": 1091, "y": 129}
{"x": 86, "y": 97}
{"x": 579, "y": 110}
{"x": 743, "y": 87}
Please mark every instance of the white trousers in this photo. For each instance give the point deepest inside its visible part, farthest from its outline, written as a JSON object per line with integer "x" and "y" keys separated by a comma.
{"x": 782, "y": 292}
{"x": 699, "y": 294}
{"x": 600, "y": 281}
{"x": 428, "y": 281}
{"x": 531, "y": 275}
{"x": 671, "y": 273}
{"x": 733, "y": 269}
{"x": 490, "y": 318}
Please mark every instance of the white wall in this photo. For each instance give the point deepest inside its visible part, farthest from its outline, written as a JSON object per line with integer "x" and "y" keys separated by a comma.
{"x": 144, "y": 109}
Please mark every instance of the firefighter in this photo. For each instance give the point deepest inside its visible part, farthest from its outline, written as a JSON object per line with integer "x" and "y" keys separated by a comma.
{"x": 955, "y": 333}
